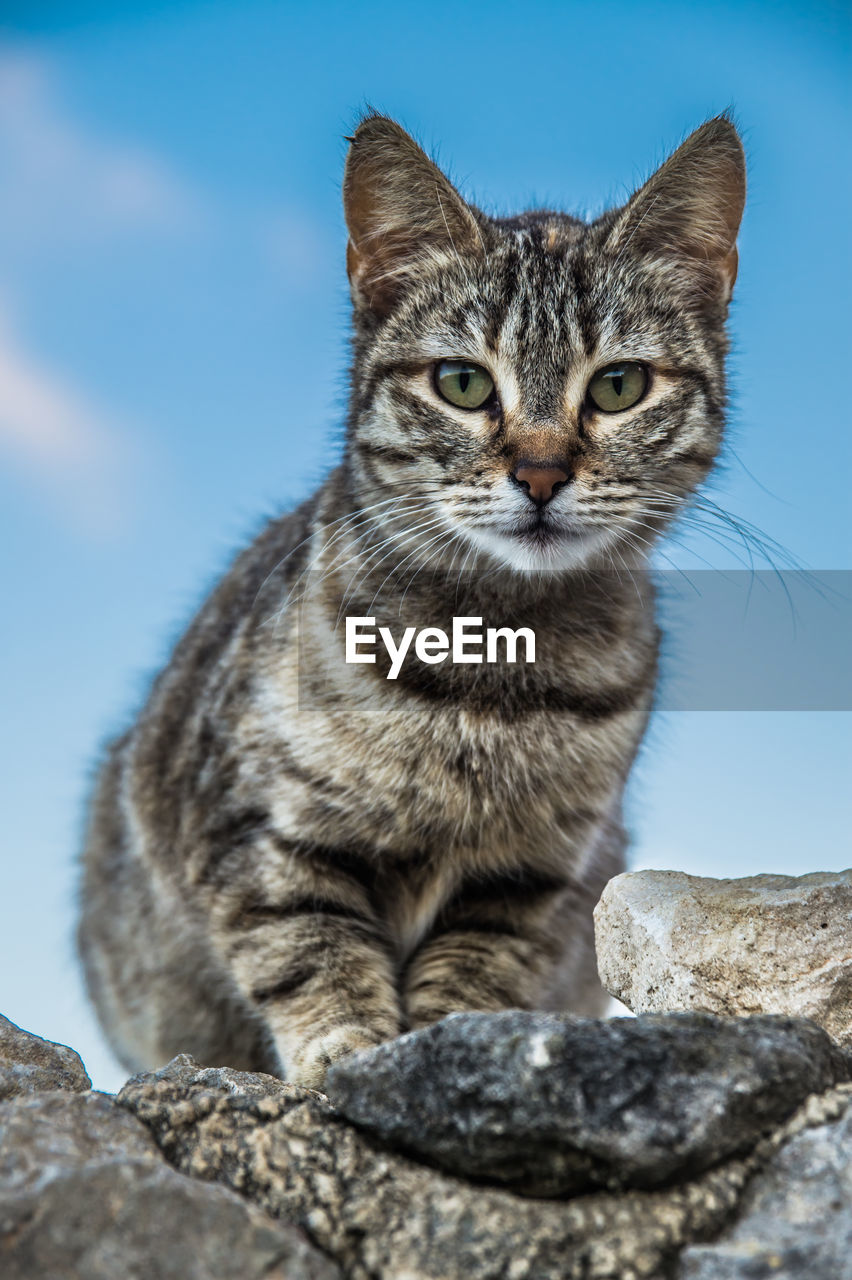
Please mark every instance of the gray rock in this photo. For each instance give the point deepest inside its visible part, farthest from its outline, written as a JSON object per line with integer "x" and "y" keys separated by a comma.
{"x": 382, "y": 1216}
{"x": 765, "y": 944}
{"x": 552, "y": 1105}
{"x": 795, "y": 1219}
{"x": 85, "y": 1195}
{"x": 46, "y": 1135}
{"x": 29, "y": 1064}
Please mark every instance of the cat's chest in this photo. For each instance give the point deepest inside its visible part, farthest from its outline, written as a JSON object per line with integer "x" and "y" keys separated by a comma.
{"x": 403, "y": 772}
{"x": 443, "y": 756}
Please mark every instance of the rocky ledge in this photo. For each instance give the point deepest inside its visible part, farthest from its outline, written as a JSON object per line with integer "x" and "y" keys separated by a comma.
{"x": 678, "y": 1145}
{"x": 508, "y": 1145}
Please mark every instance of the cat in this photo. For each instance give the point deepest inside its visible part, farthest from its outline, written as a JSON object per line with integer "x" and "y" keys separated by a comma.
{"x": 290, "y": 857}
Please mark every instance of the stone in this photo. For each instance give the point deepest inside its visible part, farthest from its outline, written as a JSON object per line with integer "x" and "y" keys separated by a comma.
{"x": 554, "y": 1105}
{"x": 86, "y": 1195}
{"x": 795, "y": 1218}
{"x": 29, "y": 1064}
{"x": 695, "y": 1147}
{"x": 384, "y": 1216}
{"x": 765, "y": 944}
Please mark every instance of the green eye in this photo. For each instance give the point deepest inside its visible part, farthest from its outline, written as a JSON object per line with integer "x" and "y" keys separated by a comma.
{"x": 618, "y": 386}
{"x": 466, "y": 385}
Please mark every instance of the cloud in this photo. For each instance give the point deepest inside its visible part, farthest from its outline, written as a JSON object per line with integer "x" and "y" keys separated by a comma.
{"x": 41, "y": 421}
{"x": 54, "y": 435}
{"x": 61, "y": 182}
{"x": 64, "y": 186}
{"x": 75, "y": 205}
{"x": 66, "y": 194}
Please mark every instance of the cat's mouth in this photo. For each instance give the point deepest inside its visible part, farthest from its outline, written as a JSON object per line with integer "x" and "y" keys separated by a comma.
{"x": 543, "y": 531}
{"x": 539, "y": 530}
{"x": 538, "y": 542}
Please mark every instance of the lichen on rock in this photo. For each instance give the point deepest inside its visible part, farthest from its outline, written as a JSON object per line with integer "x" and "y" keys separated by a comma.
{"x": 85, "y": 1194}
{"x": 382, "y": 1214}
{"x": 794, "y": 1221}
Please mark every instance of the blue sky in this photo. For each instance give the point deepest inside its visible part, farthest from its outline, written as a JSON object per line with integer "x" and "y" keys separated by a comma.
{"x": 173, "y": 350}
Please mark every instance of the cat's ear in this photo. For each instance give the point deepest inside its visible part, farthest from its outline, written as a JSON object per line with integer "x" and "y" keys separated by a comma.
{"x": 400, "y": 210}
{"x": 688, "y": 213}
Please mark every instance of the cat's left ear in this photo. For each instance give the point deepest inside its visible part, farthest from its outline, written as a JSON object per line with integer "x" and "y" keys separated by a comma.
{"x": 400, "y": 210}
{"x": 688, "y": 213}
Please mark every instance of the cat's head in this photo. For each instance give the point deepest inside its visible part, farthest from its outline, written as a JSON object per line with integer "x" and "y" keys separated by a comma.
{"x": 540, "y": 390}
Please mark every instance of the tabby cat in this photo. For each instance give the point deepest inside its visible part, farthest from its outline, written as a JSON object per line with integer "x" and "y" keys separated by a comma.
{"x": 290, "y": 856}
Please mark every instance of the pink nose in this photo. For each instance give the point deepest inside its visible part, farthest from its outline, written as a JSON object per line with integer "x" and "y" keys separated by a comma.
{"x": 541, "y": 483}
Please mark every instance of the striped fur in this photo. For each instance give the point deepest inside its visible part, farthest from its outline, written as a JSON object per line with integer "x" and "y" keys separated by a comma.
{"x": 289, "y": 857}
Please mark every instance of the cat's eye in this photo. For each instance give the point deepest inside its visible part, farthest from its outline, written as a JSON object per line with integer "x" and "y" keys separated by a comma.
{"x": 618, "y": 386}
{"x": 464, "y": 384}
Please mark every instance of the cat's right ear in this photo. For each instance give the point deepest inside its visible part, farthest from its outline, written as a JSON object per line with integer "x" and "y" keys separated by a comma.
{"x": 400, "y": 210}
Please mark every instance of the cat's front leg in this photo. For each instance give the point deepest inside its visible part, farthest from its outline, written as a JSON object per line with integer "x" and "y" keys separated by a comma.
{"x": 496, "y": 946}
{"x": 312, "y": 956}
{"x": 326, "y": 988}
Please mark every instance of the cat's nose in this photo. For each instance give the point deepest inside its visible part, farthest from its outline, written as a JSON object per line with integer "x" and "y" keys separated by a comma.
{"x": 541, "y": 483}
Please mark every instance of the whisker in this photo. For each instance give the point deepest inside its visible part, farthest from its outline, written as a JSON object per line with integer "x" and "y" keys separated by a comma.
{"x": 340, "y": 520}
{"x": 373, "y": 565}
{"x": 438, "y": 550}
{"x": 398, "y": 566}
{"x": 334, "y": 566}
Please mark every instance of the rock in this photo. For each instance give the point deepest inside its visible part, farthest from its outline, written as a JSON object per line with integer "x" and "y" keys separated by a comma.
{"x": 674, "y": 1132}
{"x": 795, "y": 1220}
{"x": 766, "y": 944}
{"x": 552, "y": 1105}
{"x": 85, "y": 1195}
{"x": 29, "y": 1064}
{"x": 382, "y": 1216}
{"x": 44, "y": 1136}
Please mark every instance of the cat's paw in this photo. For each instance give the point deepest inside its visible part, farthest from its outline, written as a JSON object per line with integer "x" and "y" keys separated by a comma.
{"x": 308, "y": 1065}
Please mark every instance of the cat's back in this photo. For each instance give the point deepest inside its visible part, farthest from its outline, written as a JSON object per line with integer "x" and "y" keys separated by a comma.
{"x": 142, "y": 779}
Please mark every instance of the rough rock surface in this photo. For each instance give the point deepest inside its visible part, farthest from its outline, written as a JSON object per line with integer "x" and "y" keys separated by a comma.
{"x": 85, "y": 1195}
{"x": 29, "y": 1064}
{"x": 92, "y": 1188}
{"x": 385, "y": 1217}
{"x": 766, "y": 944}
{"x": 795, "y": 1219}
{"x": 551, "y": 1105}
